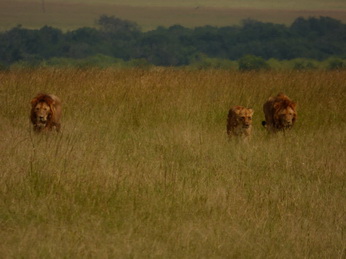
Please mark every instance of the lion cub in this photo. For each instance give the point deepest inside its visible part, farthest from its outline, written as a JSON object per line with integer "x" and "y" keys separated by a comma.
{"x": 239, "y": 122}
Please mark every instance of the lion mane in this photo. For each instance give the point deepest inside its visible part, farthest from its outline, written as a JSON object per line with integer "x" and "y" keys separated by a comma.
{"x": 280, "y": 113}
{"x": 239, "y": 121}
{"x": 45, "y": 112}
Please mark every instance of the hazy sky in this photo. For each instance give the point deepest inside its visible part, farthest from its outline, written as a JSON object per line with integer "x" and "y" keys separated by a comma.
{"x": 293, "y": 4}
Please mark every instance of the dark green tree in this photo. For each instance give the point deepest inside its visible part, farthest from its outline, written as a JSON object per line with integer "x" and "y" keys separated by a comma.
{"x": 111, "y": 24}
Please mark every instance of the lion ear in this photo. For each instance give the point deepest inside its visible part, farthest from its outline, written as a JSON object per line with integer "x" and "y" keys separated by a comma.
{"x": 294, "y": 105}
{"x": 251, "y": 111}
{"x": 276, "y": 106}
{"x": 33, "y": 102}
{"x": 236, "y": 109}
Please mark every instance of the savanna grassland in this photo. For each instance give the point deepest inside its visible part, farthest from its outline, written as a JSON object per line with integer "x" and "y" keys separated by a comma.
{"x": 143, "y": 167}
{"x": 73, "y": 14}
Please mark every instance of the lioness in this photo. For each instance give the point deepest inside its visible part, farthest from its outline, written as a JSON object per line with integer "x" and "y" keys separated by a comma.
{"x": 280, "y": 113}
{"x": 239, "y": 121}
{"x": 45, "y": 112}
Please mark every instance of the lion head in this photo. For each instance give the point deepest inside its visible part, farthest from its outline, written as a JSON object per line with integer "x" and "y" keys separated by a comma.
{"x": 239, "y": 121}
{"x": 280, "y": 113}
{"x": 45, "y": 112}
{"x": 285, "y": 114}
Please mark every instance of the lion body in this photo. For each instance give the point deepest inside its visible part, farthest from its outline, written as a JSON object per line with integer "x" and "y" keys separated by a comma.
{"x": 46, "y": 113}
{"x": 280, "y": 113}
{"x": 239, "y": 121}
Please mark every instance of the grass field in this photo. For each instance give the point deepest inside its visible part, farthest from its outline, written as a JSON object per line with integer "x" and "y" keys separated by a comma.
{"x": 143, "y": 167}
{"x": 69, "y": 15}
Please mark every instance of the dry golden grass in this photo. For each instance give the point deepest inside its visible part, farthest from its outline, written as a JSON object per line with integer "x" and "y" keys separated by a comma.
{"x": 143, "y": 167}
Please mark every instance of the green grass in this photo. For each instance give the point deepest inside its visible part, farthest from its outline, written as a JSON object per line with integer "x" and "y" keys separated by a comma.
{"x": 143, "y": 167}
{"x": 70, "y": 15}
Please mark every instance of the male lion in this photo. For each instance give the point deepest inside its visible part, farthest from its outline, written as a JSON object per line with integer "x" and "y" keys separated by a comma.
{"x": 45, "y": 112}
{"x": 239, "y": 122}
{"x": 280, "y": 113}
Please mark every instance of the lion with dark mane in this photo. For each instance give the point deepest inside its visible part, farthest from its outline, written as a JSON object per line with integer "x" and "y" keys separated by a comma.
{"x": 280, "y": 113}
{"x": 45, "y": 112}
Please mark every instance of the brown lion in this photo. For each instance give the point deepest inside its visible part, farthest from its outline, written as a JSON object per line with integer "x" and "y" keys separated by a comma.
{"x": 239, "y": 121}
{"x": 280, "y": 113}
{"x": 45, "y": 112}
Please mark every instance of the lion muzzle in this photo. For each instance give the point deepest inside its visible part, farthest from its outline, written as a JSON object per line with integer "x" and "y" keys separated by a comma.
{"x": 42, "y": 119}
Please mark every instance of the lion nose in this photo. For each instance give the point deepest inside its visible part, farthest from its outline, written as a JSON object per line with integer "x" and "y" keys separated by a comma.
{"x": 288, "y": 124}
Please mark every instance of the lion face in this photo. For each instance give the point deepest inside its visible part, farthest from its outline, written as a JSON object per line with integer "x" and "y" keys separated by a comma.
{"x": 286, "y": 117}
{"x": 280, "y": 113}
{"x": 42, "y": 111}
{"x": 45, "y": 112}
{"x": 244, "y": 117}
{"x": 239, "y": 121}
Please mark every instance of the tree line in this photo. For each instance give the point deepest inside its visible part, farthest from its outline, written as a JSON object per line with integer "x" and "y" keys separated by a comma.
{"x": 313, "y": 38}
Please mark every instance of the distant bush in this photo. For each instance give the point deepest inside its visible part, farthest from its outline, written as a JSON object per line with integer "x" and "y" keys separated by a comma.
{"x": 3, "y": 66}
{"x": 99, "y": 60}
{"x": 336, "y": 64}
{"x": 204, "y": 62}
{"x": 246, "y": 63}
{"x": 138, "y": 63}
{"x": 251, "y": 62}
{"x": 303, "y": 64}
{"x": 60, "y": 62}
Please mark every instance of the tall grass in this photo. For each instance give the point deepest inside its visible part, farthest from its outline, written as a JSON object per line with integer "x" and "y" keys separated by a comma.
{"x": 143, "y": 167}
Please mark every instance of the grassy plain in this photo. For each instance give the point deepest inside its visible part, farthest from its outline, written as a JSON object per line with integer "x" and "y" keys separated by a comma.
{"x": 143, "y": 167}
{"x": 69, "y": 15}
